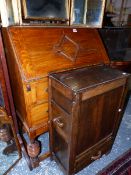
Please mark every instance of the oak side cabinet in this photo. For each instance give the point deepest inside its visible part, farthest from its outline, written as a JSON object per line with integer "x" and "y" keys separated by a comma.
{"x": 85, "y": 110}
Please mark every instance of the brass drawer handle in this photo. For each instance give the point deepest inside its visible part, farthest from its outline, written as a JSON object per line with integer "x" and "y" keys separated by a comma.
{"x": 58, "y": 122}
{"x": 96, "y": 157}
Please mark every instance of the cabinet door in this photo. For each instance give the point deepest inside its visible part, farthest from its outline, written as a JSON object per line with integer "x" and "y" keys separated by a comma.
{"x": 99, "y": 119}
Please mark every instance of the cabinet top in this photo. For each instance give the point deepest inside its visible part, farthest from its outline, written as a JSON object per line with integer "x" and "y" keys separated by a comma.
{"x": 88, "y": 77}
{"x": 40, "y": 50}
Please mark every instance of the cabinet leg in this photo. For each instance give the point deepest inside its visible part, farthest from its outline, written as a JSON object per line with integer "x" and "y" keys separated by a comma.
{"x": 33, "y": 149}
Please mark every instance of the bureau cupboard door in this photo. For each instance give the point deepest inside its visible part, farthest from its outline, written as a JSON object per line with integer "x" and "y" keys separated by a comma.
{"x": 98, "y": 120}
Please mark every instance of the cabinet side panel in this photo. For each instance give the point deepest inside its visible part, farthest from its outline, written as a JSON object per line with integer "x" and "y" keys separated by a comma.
{"x": 98, "y": 118}
{"x": 60, "y": 136}
{"x": 61, "y": 151}
{"x": 15, "y": 77}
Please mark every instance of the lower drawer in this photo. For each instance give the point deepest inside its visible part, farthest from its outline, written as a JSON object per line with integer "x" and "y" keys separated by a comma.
{"x": 94, "y": 153}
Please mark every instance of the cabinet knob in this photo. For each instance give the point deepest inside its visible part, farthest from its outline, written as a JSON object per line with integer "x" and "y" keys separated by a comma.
{"x": 119, "y": 110}
{"x": 58, "y": 122}
{"x": 97, "y": 156}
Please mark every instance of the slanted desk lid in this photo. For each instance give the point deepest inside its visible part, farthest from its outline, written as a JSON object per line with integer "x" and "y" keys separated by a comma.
{"x": 41, "y": 50}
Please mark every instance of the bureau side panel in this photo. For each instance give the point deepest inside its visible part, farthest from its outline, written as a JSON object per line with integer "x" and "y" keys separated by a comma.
{"x": 15, "y": 76}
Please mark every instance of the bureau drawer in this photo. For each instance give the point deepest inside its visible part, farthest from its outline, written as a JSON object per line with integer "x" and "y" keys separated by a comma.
{"x": 61, "y": 122}
{"x": 39, "y": 114}
{"x": 39, "y": 91}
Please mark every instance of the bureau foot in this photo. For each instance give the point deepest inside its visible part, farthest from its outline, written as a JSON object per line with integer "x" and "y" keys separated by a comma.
{"x": 33, "y": 150}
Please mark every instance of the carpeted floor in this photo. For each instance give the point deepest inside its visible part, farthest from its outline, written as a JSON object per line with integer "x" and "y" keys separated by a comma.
{"x": 47, "y": 167}
{"x": 120, "y": 166}
{"x": 6, "y": 160}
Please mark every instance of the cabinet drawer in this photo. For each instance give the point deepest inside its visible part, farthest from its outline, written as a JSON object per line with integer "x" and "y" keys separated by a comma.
{"x": 61, "y": 122}
{"x": 62, "y": 100}
{"x": 93, "y": 153}
{"x": 39, "y": 114}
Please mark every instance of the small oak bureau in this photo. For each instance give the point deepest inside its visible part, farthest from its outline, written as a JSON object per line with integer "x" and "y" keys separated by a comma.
{"x": 32, "y": 52}
{"x": 85, "y": 110}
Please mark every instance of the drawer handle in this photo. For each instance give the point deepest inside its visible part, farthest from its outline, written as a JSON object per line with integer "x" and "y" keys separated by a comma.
{"x": 58, "y": 122}
{"x": 96, "y": 157}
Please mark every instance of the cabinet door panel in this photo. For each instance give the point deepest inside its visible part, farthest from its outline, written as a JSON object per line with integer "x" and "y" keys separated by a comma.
{"x": 98, "y": 118}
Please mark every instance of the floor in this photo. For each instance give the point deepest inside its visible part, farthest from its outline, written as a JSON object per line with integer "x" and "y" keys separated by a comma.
{"x": 6, "y": 158}
{"x": 47, "y": 167}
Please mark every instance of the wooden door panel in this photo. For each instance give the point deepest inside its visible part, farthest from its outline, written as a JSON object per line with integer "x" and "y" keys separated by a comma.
{"x": 98, "y": 116}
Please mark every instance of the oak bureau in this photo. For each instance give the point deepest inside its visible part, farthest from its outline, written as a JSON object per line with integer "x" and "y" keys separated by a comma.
{"x": 33, "y": 52}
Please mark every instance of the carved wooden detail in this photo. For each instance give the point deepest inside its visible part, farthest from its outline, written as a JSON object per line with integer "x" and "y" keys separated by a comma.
{"x": 67, "y": 47}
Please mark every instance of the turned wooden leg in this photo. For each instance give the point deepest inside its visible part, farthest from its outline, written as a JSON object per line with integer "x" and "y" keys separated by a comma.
{"x": 33, "y": 149}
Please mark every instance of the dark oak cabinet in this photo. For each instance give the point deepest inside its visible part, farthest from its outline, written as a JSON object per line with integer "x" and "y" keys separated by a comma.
{"x": 85, "y": 110}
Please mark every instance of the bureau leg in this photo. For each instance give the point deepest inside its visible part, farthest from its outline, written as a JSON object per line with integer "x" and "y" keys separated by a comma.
{"x": 33, "y": 149}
